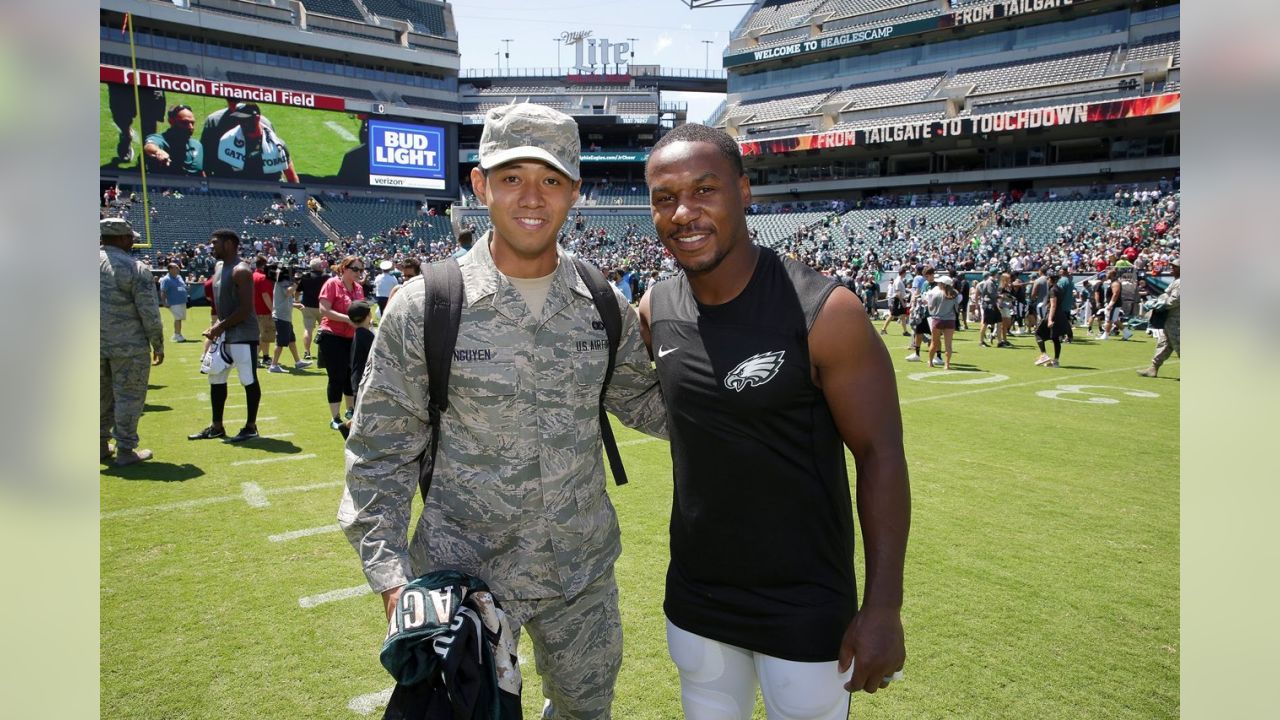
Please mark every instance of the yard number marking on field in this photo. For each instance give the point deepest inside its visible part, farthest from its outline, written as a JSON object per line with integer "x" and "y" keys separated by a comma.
{"x": 1091, "y": 397}
{"x": 253, "y": 495}
{"x": 985, "y": 378}
{"x": 367, "y": 704}
{"x": 1045, "y": 379}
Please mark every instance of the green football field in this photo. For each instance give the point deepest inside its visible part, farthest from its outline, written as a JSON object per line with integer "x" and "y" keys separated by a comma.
{"x": 316, "y": 139}
{"x": 1041, "y": 580}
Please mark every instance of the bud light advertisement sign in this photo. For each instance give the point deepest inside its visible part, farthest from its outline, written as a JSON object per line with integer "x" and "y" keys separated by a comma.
{"x": 403, "y": 155}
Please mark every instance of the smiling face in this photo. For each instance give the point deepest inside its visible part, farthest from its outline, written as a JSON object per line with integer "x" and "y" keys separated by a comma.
{"x": 697, "y": 199}
{"x": 528, "y": 201}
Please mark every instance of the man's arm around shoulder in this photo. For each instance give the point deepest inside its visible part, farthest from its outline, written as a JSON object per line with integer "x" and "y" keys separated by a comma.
{"x": 853, "y": 369}
{"x": 389, "y": 432}
{"x": 633, "y": 394}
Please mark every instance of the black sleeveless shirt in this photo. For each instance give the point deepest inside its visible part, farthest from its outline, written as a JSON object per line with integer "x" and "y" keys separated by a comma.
{"x": 762, "y": 536}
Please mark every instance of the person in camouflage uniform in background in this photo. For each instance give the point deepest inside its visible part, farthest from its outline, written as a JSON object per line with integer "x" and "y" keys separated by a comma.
{"x": 518, "y": 495}
{"x": 129, "y": 327}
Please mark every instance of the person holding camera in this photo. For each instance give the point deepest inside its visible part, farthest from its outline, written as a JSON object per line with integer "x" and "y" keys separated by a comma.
{"x": 283, "y": 301}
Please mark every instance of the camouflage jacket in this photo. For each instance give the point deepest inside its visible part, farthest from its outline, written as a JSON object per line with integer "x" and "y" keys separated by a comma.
{"x": 128, "y": 306}
{"x": 518, "y": 497}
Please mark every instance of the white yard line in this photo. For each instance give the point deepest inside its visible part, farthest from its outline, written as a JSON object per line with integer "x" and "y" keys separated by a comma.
{"x": 370, "y": 703}
{"x": 341, "y": 132}
{"x": 200, "y": 502}
{"x": 308, "y": 532}
{"x": 252, "y": 494}
{"x": 282, "y": 458}
{"x": 205, "y": 395}
{"x": 277, "y": 436}
{"x": 637, "y": 441}
{"x": 311, "y": 601}
{"x": 305, "y": 488}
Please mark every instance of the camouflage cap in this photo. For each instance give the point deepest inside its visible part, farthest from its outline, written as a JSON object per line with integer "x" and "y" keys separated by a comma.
{"x": 527, "y": 131}
{"x": 115, "y": 227}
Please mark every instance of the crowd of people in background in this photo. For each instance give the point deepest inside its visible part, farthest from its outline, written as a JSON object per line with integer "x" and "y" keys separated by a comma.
{"x": 1138, "y": 232}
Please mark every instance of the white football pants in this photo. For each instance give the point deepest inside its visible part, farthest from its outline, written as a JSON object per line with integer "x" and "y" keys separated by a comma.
{"x": 718, "y": 682}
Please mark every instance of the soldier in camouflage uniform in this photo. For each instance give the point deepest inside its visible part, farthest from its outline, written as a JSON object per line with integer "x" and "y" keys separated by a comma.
{"x": 129, "y": 317}
{"x": 518, "y": 497}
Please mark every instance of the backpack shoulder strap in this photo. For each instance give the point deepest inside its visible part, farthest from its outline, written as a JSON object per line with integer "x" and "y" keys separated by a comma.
{"x": 611, "y": 315}
{"x": 442, "y": 315}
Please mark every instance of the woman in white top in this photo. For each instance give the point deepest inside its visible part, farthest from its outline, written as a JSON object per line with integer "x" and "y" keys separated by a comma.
{"x": 941, "y": 302}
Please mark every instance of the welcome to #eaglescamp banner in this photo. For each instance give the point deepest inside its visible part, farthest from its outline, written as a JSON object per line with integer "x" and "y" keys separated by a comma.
{"x": 963, "y": 126}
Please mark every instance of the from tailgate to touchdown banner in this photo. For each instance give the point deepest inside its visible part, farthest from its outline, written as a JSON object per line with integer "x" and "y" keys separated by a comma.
{"x": 956, "y": 127}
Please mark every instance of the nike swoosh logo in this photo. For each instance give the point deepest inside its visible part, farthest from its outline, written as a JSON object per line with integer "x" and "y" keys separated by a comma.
{"x": 663, "y": 352}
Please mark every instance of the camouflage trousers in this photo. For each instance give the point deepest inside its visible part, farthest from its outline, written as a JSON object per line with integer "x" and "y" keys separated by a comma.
{"x": 1168, "y": 342}
{"x": 577, "y": 645}
{"x": 123, "y": 385}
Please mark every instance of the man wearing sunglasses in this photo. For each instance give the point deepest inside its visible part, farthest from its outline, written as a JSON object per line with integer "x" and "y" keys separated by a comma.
{"x": 176, "y": 150}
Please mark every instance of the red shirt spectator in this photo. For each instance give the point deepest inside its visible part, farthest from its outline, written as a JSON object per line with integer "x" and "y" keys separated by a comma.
{"x": 261, "y": 285}
{"x": 208, "y": 295}
{"x": 1131, "y": 253}
{"x": 339, "y": 300}
{"x": 1100, "y": 264}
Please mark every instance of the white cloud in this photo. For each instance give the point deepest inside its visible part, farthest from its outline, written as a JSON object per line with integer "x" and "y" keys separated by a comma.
{"x": 686, "y": 26}
{"x": 664, "y": 42}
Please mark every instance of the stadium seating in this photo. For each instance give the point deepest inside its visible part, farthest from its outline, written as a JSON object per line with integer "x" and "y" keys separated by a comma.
{"x": 1066, "y": 67}
{"x": 426, "y": 17}
{"x": 337, "y": 8}
{"x": 617, "y": 193}
{"x": 889, "y": 92}
{"x": 351, "y": 91}
{"x": 847, "y": 8}
{"x": 773, "y": 229}
{"x": 634, "y": 107}
{"x": 1158, "y": 46}
{"x": 230, "y": 9}
{"x": 781, "y": 15}
{"x": 777, "y": 108}
{"x": 865, "y": 122}
{"x": 614, "y": 225}
{"x": 373, "y": 216}
{"x": 190, "y": 218}
{"x": 431, "y": 103}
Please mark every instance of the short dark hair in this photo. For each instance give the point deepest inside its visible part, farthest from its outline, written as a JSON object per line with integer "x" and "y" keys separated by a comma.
{"x": 359, "y": 310}
{"x": 225, "y": 234}
{"x": 467, "y": 238}
{"x": 413, "y": 263}
{"x": 693, "y": 132}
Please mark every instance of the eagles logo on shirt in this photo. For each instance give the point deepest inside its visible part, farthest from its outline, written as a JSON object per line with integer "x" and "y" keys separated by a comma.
{"x": 755, "y": 370}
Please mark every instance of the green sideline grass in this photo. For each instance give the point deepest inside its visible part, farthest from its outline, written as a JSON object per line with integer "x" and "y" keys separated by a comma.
{"x": 1042, "y": 577}
{"x": 315, "y": 147}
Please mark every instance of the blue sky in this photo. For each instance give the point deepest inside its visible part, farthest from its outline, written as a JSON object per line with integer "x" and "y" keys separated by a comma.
{"x": 668, "y": 33}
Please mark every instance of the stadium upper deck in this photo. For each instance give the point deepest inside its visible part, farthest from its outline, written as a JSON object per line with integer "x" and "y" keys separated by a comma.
{"x": 829, "y": 96}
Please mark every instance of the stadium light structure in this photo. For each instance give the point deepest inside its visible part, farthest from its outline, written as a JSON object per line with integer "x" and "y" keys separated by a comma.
{"x": 707, "y": 53}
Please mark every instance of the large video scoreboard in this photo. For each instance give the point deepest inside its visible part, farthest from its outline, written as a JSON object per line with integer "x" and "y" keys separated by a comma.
{"x": 319, "y": 137}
